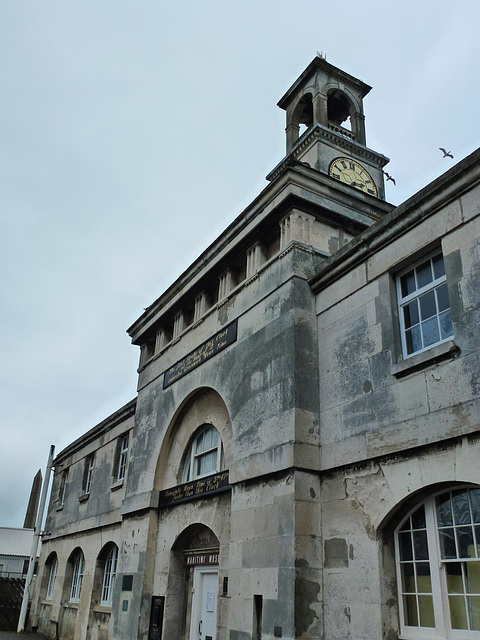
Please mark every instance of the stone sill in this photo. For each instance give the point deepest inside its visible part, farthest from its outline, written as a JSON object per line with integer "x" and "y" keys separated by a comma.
{"x": 84, "y": 497}
{"x": 102, "y": 608}
{"x": 48, "y": 603}
{"x": 446, "y": 350}
{"x": 70, "y": 605}
{"x": 118, "y": 484}
{"x": 60, "y": 508}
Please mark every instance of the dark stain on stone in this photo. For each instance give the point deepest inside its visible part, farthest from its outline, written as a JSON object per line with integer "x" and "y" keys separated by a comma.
{"x": 312, "y": 493}
{"x": 367, "y": 386}
{"x": 306, "y": 592}
{"x": 301, "y": 562}
{"x": 336, "y": 553}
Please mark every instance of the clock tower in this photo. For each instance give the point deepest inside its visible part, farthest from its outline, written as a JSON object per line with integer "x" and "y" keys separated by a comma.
{"x": 326, "y": 128}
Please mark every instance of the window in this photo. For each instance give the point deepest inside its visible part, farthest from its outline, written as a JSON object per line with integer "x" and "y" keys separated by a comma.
{"x": 77, "y": 577}
{"x": 88, "y": 473}
{"x": 204, "y": 457}
{"x": 425, "y": 317}
{"x": 438, "y": 567}
{"x": 63, "y": 488}
{"x": 109, "y": 573}
{"x": 122, "y": 457}
{"x": 52, "y": 577}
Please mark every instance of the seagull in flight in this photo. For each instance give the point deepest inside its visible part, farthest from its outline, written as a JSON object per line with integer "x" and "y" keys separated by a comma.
{"x": 389, "y": 177}
{"x": 446, "y": 154}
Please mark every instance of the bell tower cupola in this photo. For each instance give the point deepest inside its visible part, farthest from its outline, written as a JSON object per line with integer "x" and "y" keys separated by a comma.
{"x": 325, "y": 127}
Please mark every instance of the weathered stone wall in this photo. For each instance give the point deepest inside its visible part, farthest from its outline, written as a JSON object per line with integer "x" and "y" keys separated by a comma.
{"x": 366, "y": 409}
{"x": 361, "y": 506}
{"x": 82, "y": 522}
{"x": 392, "y": 431}
{"x": 74, "y": 618}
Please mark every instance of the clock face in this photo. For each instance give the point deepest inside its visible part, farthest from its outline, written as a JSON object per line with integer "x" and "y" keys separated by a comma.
{"x": 351, "y": 172}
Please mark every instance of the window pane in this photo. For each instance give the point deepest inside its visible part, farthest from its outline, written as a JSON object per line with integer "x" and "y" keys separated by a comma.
{"x": 410, "y": 611}
{"x": 408, "y": 578}
{"x": 472, "y": 577}
{"x": 475, "y": 500}
{"x": 410, "y": 314}
{"x": 454, "y": 577}
{"x": 215, "y": 437}
{"x": 474, "y": 612}
{"x": 442, "y": 297}
{"x": 458, "y": 613}
{"x": 461, "y": 507}
{"x": 438, "y": 266}
{"x": 407, "y": 283}
{"x": 418, "y": 518}
{"x": 427, "y": 305}
{"x": 199, "y": 445}
{"x": 446, "y": 327}
{"x": 425, "y": 606}
{"x": 447, "y": 543}
{"x": 420, "y": 545}
{"x": 207, "y": 463}
{"x": 424, "y": 581}
{"x": 414, "y": 340}
{"x": 465, "y": 544}
{"x": 424, "y": 274}
{"x": 405, "y": 546}
{"x": 444, "y": 510}
{"x": 430, "y": 332}
{"x": 406, "y": 526}
{"x": 477, "y": 536}
{"x": 207, "y": 439}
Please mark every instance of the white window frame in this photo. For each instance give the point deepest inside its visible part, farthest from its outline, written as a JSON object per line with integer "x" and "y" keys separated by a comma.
{"x": 404, "y": 300}
{"x": 77, "y": 577}
{"x": 109, "y": 573}
{"x": 63, "y": 487}
{"x": 442, "y": 629}
{"x": 90, "y": 463}
{"x": 122, "y": 457}
{"x": 52, "y": 576}
{"x": 193, "y": 456}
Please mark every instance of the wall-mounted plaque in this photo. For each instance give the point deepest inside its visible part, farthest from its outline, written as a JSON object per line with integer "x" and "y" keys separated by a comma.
{"x": 127, "y": 583}
{"x": 198, "y": 356}
{"x": 196, "y": 489}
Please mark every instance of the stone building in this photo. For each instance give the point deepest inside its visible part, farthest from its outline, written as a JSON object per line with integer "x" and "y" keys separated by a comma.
{"x": 301, "y": 460}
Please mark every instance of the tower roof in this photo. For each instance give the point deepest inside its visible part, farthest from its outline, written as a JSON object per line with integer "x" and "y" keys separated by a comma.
{"x": 319, "y": 63}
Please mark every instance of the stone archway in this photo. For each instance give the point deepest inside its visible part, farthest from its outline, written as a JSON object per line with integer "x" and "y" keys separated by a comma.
{"x": 204, "y": 406}
{"x": 197, "y": 547}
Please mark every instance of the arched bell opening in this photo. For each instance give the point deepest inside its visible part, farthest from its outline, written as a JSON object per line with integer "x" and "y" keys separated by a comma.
{"x": 303, "y": 114}
{"x": 301, "y": 119}
{"x": 339, "y": 109}
{"x": 345, "y": 115}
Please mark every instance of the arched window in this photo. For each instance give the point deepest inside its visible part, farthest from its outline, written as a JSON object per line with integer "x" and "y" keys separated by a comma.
{"x": 77, "y": 576}
{"x": 52, "y": 564}
{"x": 205, "y": 454}
{"x": 437, "y": 550}
{"x": 109, "y": 573}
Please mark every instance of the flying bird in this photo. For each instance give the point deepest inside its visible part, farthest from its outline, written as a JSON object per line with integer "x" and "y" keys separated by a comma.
{"x": 389, "y": 177}
{"x": 446, "y": 154}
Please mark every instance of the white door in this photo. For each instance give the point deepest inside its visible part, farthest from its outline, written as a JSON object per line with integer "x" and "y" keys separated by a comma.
{"x": 204, "y": 604}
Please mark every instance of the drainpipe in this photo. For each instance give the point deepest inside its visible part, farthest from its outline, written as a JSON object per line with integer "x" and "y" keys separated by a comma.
{"x": 36, "y": 540}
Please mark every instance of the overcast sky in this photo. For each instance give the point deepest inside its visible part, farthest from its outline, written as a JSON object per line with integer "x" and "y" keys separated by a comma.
{"x": 133, "y": 132}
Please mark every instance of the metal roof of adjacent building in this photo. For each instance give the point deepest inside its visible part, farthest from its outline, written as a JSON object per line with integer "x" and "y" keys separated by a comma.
{"x": 15, "y": 541}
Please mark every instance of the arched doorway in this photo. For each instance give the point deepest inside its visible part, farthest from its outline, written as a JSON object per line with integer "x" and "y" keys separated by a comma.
{"x": 194, "y": 581}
